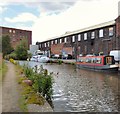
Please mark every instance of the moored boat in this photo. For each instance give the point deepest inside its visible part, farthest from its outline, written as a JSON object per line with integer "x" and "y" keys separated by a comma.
{"x": 104, "y": 63}
{"x": 40, "y": 58}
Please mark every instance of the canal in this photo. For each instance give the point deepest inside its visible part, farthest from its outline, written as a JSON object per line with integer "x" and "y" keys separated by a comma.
{"x": 82, "y": 90}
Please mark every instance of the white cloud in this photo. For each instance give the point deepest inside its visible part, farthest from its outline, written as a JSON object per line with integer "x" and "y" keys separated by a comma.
{"x": 24, "y": 17}
{"x": 82, "y": 14}
{"x": 2, "y": 9}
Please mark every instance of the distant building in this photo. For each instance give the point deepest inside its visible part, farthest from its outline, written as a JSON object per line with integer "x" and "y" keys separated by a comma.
{"x": 16, "y": 35}
{"x": 33, "y": 49}
{"x": 99, "y": 38}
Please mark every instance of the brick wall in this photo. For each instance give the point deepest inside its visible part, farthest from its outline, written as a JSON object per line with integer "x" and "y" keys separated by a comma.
{"x": 118, "y": 27}
{"x": 16, "y": 35}
{"x": 56, "y": 48}
{"x": 118, "y": 33}
{"x": 68, "y": 50}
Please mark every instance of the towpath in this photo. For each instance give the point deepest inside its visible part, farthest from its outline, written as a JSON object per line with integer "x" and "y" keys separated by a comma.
{"x": 10, "y": 91}
{"x": 10, "y": 94}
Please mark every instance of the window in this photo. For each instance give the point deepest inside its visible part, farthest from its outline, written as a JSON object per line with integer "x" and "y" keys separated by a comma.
{"x": 85, "y": 36}
{"x": 55, "y": 41}
{"x": 60, "y": 40}
{"x": 65, "y": 40}
{"x": 92, "y": 35}
{"x": 111, "y": 31}
{"x": 13, "y": 31}
{"x": 101, "y": 33}
{"x": 79, "y": 37}
{"x": 10, "y": 31}
{"x": 45, "y": 44}
{"x": 73, "y": 38}
{"x": 48, "y": 44}
{"x": 51, "y": 42}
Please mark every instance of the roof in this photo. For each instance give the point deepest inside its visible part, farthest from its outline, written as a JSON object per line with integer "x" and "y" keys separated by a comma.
{"x": 15, "y": 28}
{"x": 86, "y": 29}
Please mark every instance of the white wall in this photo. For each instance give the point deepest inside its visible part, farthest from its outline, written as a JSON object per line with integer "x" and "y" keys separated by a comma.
{"x": 33, "y": 48}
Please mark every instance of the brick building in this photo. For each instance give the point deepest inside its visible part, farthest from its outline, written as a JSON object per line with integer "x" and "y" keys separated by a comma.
{"x": 16, "y": 35}
{"x": 95, "y": 39}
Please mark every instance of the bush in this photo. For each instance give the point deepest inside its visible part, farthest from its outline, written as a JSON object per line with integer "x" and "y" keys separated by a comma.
{"x": 12, "y": 55}
{"x": 42, "y": 81}
{"x": 21, "y": 50}
{"x": 60, "y": 62}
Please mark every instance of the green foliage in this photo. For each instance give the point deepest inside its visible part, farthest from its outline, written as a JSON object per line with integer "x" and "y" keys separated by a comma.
{"x": 29, "y": 55}
{"x": 21, "y": 50}
{"x": 60, "y": 62}
{"x": 42, "y": 81}
{"x": 6, "y": 46}
{"x": 11, "y": 55}
{"x": 3, "y": 70}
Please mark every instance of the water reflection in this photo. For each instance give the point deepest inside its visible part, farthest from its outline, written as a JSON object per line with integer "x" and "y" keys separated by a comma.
{"x": 83, "y": 90}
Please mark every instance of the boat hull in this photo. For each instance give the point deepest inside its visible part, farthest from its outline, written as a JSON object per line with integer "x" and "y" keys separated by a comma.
{"x": 99, "y": 68}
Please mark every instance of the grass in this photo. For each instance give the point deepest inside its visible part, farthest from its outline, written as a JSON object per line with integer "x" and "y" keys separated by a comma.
{"x": 28, "y": 95}
{"x": 3, "y": 69}
{"x": 22, "y": 102}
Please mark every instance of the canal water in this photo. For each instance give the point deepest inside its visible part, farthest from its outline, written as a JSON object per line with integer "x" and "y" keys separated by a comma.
{"x": 82, "y": 90}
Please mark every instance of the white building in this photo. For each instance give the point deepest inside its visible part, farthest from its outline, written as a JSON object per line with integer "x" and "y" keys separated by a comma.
{"x": 33, "y": 49}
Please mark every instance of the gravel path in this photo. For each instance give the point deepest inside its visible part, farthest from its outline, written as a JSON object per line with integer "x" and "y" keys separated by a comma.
{"x": 10, "y": 91}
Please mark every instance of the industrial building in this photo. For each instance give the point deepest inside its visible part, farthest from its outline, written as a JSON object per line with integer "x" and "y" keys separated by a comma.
{"x": 16, "y": 35}
{"x": 92, "y": 40}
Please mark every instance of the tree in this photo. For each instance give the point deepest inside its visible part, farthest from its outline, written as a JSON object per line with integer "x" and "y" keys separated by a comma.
{"x": 6, "y": 46}
{"x": 21, "y": 50}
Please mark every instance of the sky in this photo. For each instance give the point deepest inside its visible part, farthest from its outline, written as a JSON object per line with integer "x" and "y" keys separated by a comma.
{"x": 48, "y": 19}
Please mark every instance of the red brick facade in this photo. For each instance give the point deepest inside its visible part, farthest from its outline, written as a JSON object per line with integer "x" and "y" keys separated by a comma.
{"x": 57, "y": 48}
{"x": 118, "y": 27}
{"x": 16, "y": 35}
{"x": 118, "y": 33}
{"x": 68, "y": 50}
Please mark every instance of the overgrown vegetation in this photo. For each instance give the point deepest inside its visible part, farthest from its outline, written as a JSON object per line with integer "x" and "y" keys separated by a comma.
{"x": 40, "y": 87}
{"x": 60, "y": 62}
{"x": 3, "y": 70}
{"x": 42, "y": 81}
{"x": 6, "y": 46}
{"x": 19, "y": 53}
{"x": 21, "y": 50}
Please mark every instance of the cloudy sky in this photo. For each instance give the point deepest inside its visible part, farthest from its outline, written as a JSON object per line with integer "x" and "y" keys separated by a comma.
{"x": 48, "y": 19}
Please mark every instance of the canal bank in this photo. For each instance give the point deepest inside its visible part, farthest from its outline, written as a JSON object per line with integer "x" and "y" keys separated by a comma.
{"x": 66, "y": 61}
{"x": 12, "y": 99}
{"x": 82, "y": 90}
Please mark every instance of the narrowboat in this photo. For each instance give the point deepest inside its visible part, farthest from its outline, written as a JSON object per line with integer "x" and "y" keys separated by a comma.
{"x": 103, "y": 63}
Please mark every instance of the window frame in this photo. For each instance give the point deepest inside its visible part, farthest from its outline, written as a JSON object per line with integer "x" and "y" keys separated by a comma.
{"x": 65, "y": 40}
{"x": 79, "y": 37}
{"x": 56, "y": 41}
{"x": 85, "y": 36}
{"x": 101, "y": 33}
{"x": 73, "y": 38}
{"x": 60, "y": 41}
{"x": 48, "y": 44}
{"x": 111, "y": 31}
{"x": 93, "y": 35}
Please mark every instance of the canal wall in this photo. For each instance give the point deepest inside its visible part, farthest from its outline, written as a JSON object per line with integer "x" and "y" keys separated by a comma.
{"x": 40, "y": 108}
{"x": 67, "y": 61}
